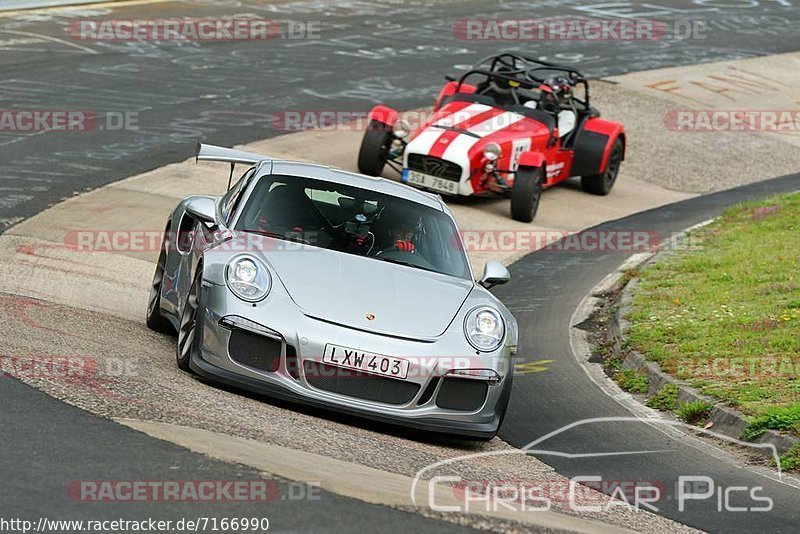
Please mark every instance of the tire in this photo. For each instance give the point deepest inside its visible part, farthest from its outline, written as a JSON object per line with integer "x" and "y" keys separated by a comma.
{"x": 374, "y": 147}
{"x": 601, "y": 184}
{"x": 189, "y": 330}
{"x": 156, "y": 321}
{"x": 526, "y": 193}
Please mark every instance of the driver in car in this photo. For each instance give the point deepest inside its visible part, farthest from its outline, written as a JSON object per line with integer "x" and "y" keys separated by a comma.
{"x": 405, "y": 236}
{"x": 556, "y": 94}
{"x": 398, "y": 232}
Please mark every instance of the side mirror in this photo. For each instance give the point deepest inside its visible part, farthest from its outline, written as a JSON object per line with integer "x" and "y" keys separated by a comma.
{"x": 494, "y": 274}
{"x": 203, "y": 209}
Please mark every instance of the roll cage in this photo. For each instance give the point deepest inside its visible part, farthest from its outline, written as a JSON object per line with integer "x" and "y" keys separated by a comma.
{"x": 523, "y": 72}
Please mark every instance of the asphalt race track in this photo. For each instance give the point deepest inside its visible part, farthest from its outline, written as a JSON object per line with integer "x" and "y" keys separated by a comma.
{"x": 226, "y": 93}
{"x": 49, "y": 438}
{"x": 367, "y": 52}
{"x": 548, "y": 286}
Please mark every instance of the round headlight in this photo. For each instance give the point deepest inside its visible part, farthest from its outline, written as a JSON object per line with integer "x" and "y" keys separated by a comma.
{"x": 484, "y": 328}
{"x": 248, "y": 279}
{"x": 492, "y": 151}
{"x": 401, "y": 129}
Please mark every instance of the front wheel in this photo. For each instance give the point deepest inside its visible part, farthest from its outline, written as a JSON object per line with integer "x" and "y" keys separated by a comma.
{"x": 601, "y": 184}
{"x": 526, "y": 193}
{"x": 374, "y": 148}
{"x": 188, "y": 333}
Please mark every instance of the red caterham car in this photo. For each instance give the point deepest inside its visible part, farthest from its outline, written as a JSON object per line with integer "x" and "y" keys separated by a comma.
{"x": 510, "y": 126}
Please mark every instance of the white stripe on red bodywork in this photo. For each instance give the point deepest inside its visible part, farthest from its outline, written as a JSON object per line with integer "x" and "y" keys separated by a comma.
{"x": 479, "y": 120}
{"x": 423, "y": 142}
{"x": 483, "y": 123}
{"x": 459, "y": 149}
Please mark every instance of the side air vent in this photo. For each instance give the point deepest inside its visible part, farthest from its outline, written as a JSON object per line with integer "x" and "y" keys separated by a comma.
{"x": 252, "y": 350}
{"x": 462, "y": 394}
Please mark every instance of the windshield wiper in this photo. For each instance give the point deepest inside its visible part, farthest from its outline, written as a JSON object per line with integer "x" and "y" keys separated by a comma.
{"x": 406, "y": 263}
{"x": 276, "y": 235}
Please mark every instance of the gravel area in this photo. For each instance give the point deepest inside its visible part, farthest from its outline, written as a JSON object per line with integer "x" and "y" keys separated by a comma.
{"x": 692, "y": 162}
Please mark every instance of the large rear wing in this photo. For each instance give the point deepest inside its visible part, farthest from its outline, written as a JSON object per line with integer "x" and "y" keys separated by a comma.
{"x": 227, "y": 155}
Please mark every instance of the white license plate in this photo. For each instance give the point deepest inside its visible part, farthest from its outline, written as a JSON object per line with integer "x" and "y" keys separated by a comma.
{"x": 367, "y": 362}
{"x": 433, "y": 182}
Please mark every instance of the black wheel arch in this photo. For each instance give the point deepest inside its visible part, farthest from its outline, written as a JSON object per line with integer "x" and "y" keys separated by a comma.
{"x": 624, "y": 140}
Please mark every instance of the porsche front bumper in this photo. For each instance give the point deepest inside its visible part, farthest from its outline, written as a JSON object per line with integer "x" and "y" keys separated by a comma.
{"x": 280, "y": 354}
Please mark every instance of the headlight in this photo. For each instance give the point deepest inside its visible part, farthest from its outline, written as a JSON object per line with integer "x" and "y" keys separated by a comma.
{"x": 248, "y": 279}
{"x": 484, "y": 328}
{"x": 492, "y": 151}
{"x": 401, "y": 129}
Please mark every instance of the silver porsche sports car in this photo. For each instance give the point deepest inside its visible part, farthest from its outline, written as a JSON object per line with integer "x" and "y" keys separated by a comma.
{"x": 338, "y": 290}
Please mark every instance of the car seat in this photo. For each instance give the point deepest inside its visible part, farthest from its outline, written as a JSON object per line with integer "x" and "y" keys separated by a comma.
{"x": 566, "y": 121}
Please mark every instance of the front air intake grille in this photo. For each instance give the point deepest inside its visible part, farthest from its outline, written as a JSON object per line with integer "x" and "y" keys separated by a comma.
{"x": 434, "y": 166}
{"x": 462, "y": 394}
{"x": 359, "y": 385}
{"x": 255, "y": 351}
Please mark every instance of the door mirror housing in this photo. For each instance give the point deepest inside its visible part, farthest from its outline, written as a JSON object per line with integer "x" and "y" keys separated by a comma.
{"x": 203, "y": 209}
{"x": 494, "y": 274}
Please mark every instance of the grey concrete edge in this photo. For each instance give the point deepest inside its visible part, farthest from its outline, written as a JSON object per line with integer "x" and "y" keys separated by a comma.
{"x": 725, "y": 420}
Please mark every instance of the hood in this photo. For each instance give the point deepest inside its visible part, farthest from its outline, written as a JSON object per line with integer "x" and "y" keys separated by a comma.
{"x": 460, "y": 130}
{"x": 344, "y": 289}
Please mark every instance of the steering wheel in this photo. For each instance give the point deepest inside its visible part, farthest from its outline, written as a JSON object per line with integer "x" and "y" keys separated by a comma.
{"x": 548, "y": 102}
{"x": 502, "y": 86}
{"x": 393, "y": 248}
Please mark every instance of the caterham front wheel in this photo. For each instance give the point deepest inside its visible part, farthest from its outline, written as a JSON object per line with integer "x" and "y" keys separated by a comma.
{"x": 374, "y": 148}
{"x": 526, "y": 193}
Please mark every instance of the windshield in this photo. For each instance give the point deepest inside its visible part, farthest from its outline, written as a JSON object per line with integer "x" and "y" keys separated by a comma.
{"x": 355, "y": 221}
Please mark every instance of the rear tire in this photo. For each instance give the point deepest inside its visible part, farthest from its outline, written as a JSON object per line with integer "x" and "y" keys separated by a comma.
{"x": 189, "y": 331}
{"x": 526, "y": 193}
{"x": 374, "y": 148}
{"x": 601, "y": 184}
{"x": 156, "y": 321}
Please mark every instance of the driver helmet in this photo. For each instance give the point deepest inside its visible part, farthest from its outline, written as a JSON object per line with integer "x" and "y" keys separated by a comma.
{"x": 404, "y": 228}
{"x": 560, "y": 86}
